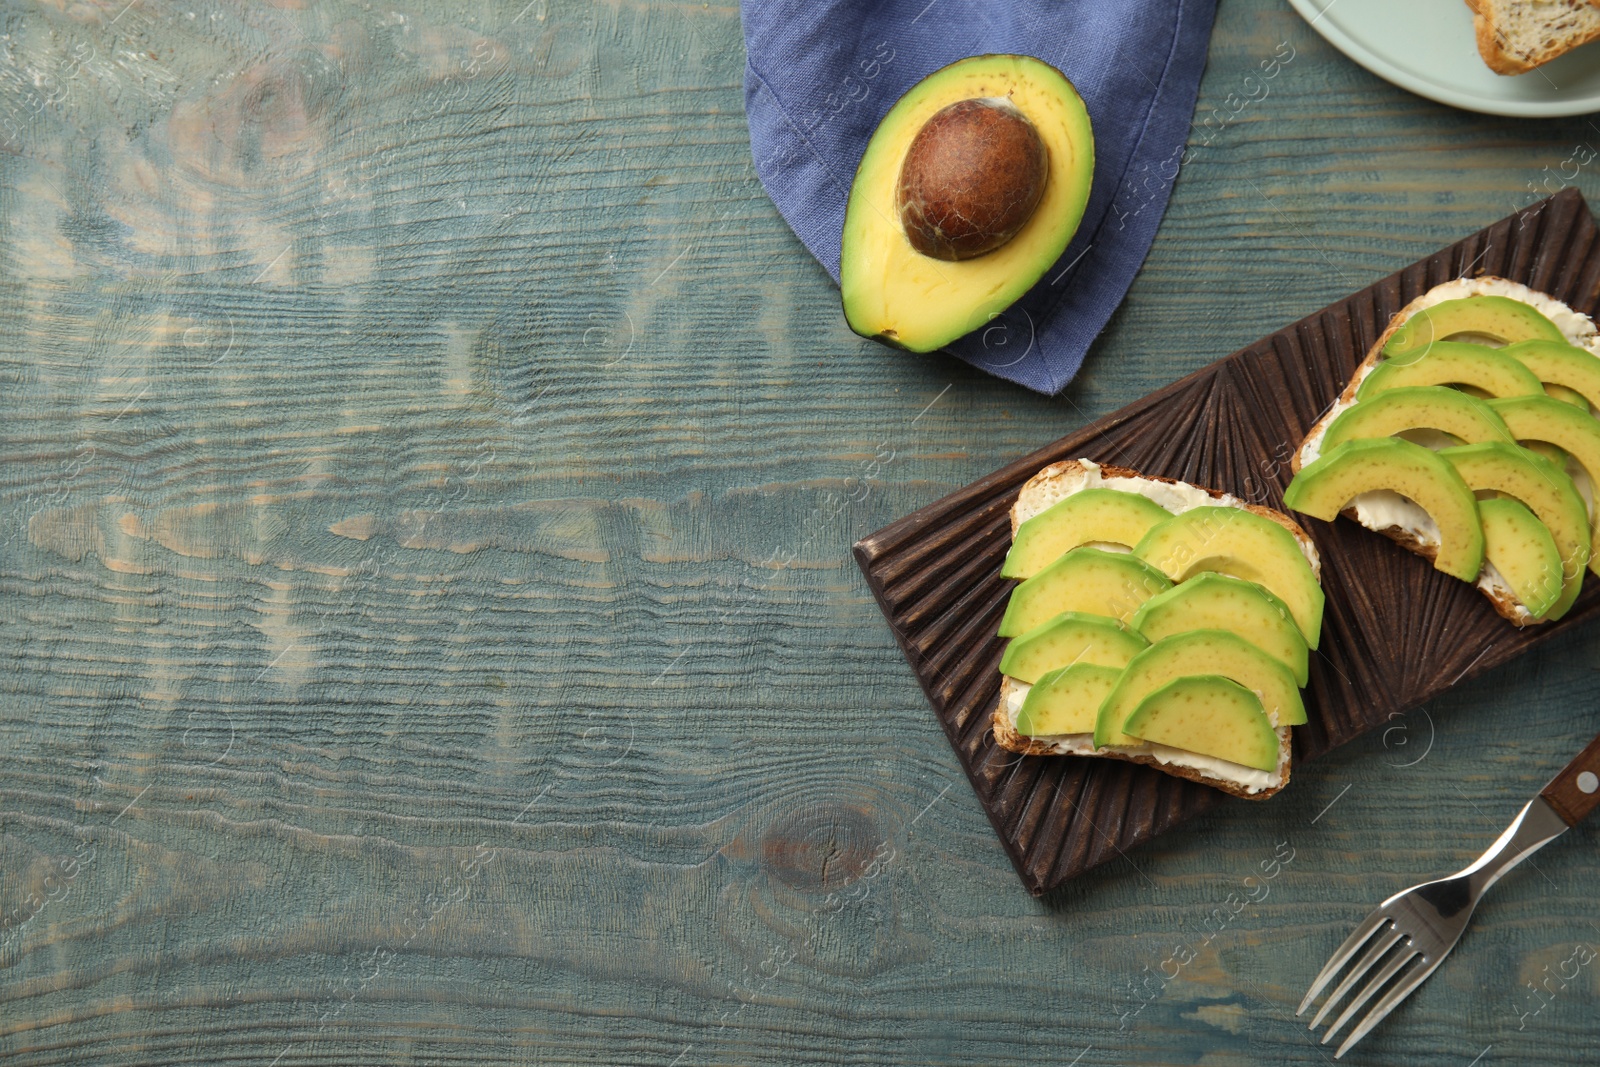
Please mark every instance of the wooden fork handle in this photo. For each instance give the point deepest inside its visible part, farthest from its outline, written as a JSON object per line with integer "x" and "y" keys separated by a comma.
{"x": 1575, "y": 792}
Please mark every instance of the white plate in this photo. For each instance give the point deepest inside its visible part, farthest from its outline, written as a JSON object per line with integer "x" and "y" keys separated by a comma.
{"x": 1428, "y": 47}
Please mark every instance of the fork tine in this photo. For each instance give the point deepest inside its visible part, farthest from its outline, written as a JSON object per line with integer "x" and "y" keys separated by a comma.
{"x": 1406, "y": 954}
{"x": 1342, "y": 955}
{"x": 1390, "y": 1001}
{"x": 1375, "y": 951}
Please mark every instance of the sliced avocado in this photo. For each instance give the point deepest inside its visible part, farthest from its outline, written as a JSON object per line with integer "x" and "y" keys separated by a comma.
{"x": 1241, "y": 543}
{"x": 1452, "y": 363}
{"x": 1498, "y": 318}
{"x": 1220, "y": 602}
{"x": 1418, "y": 407}
{"x": 1567, "y": 396}
{"x": 919, "y": 176}
{"x": 1199, "y": 652}
{"x": 1324, "y": 487}
{"x": 1545, "y": 489}
{"x": 1536, "y": 420}
{"x": 1564, "y": 365}
{"x": 1107, "y": 515}
{"x": 1088, "y": 580}
{"x": 1520, "y": 547}
{"x": 1071, "y": 637}
{"x": 1209, "y": 715}
{"x": 1545, "y": 448}
{"x": 1067, "y": 700}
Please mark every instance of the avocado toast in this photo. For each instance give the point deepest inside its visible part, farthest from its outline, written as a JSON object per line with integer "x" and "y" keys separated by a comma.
{"x": 1468, "y": 435}
{"x": 1187, "y": 655}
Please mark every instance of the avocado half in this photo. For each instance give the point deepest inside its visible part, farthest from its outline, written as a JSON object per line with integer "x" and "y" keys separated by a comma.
{"x": 902, "y": 297}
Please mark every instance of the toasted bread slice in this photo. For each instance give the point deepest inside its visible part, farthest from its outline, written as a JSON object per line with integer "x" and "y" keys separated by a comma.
{"x": 1414, "y": 534}
{"x": 1061, "y": 480}
{"x": 1515, "y": 36}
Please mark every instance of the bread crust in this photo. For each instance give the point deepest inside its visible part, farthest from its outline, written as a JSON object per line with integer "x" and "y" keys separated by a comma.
{"x": 1494, "y": 57}
{"x": 1505, "y": 605}
{"x": 1492, "y": 42}
{"x": 1005, "y": 732}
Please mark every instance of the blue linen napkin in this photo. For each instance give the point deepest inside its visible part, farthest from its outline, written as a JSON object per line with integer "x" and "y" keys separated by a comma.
{"x": 820, "y": 74}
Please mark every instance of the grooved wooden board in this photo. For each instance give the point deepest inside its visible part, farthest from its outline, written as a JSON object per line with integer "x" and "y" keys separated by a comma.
{"x": 1396, "y": 632}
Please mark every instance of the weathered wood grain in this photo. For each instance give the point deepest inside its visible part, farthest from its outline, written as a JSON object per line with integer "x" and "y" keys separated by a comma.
{"x": 428, "y": 468}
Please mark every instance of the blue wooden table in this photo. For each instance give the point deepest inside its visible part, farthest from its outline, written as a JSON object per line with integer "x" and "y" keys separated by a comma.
{"x": 428, "y": 633}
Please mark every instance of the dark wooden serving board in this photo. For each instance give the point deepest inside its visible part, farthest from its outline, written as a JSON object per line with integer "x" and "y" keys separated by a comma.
{"x": 1396, "y": 632}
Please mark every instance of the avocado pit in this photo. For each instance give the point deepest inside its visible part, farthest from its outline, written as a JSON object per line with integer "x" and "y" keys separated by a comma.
{"x": 972, "y": 178}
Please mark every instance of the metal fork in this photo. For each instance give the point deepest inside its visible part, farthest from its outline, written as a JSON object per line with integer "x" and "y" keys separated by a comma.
{"x": 1412, "y": 932}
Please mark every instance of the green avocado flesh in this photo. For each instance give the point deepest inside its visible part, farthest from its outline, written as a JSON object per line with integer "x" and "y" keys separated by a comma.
{"x": 1067, "y": 700}
{"x": 1567, "y": 396}
{"x": 1545, "y": 449}
{"x": 1539, "y": 419}
{"x": 1499, "y": 318}
{"x": 1323, "y": 488}
{"x": 1071, "y": 637}
{"x": 1245, "y": 545}
{"x": 1209, "y": 715}
{"x": 1088, "y": 580}
{"x": 1430, "y": 407}
{"x": 1521, "y": 549}
{"x": 1219, "y": 602}
{"x": 1561, "y": 365}
{"x": 1545, "y": 489}
{"x": 1198, "y": 652}
{"x": 1103, "y": 515}
{"x": 1452, "y": 363}
{"x": 898, "y": 295}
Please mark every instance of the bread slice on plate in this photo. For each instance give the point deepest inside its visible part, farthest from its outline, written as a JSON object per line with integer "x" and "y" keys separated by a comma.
{"x": 1400, "y": 519}
{"x": 1515, "y": 36}
{"x": 1055, "y": 484}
